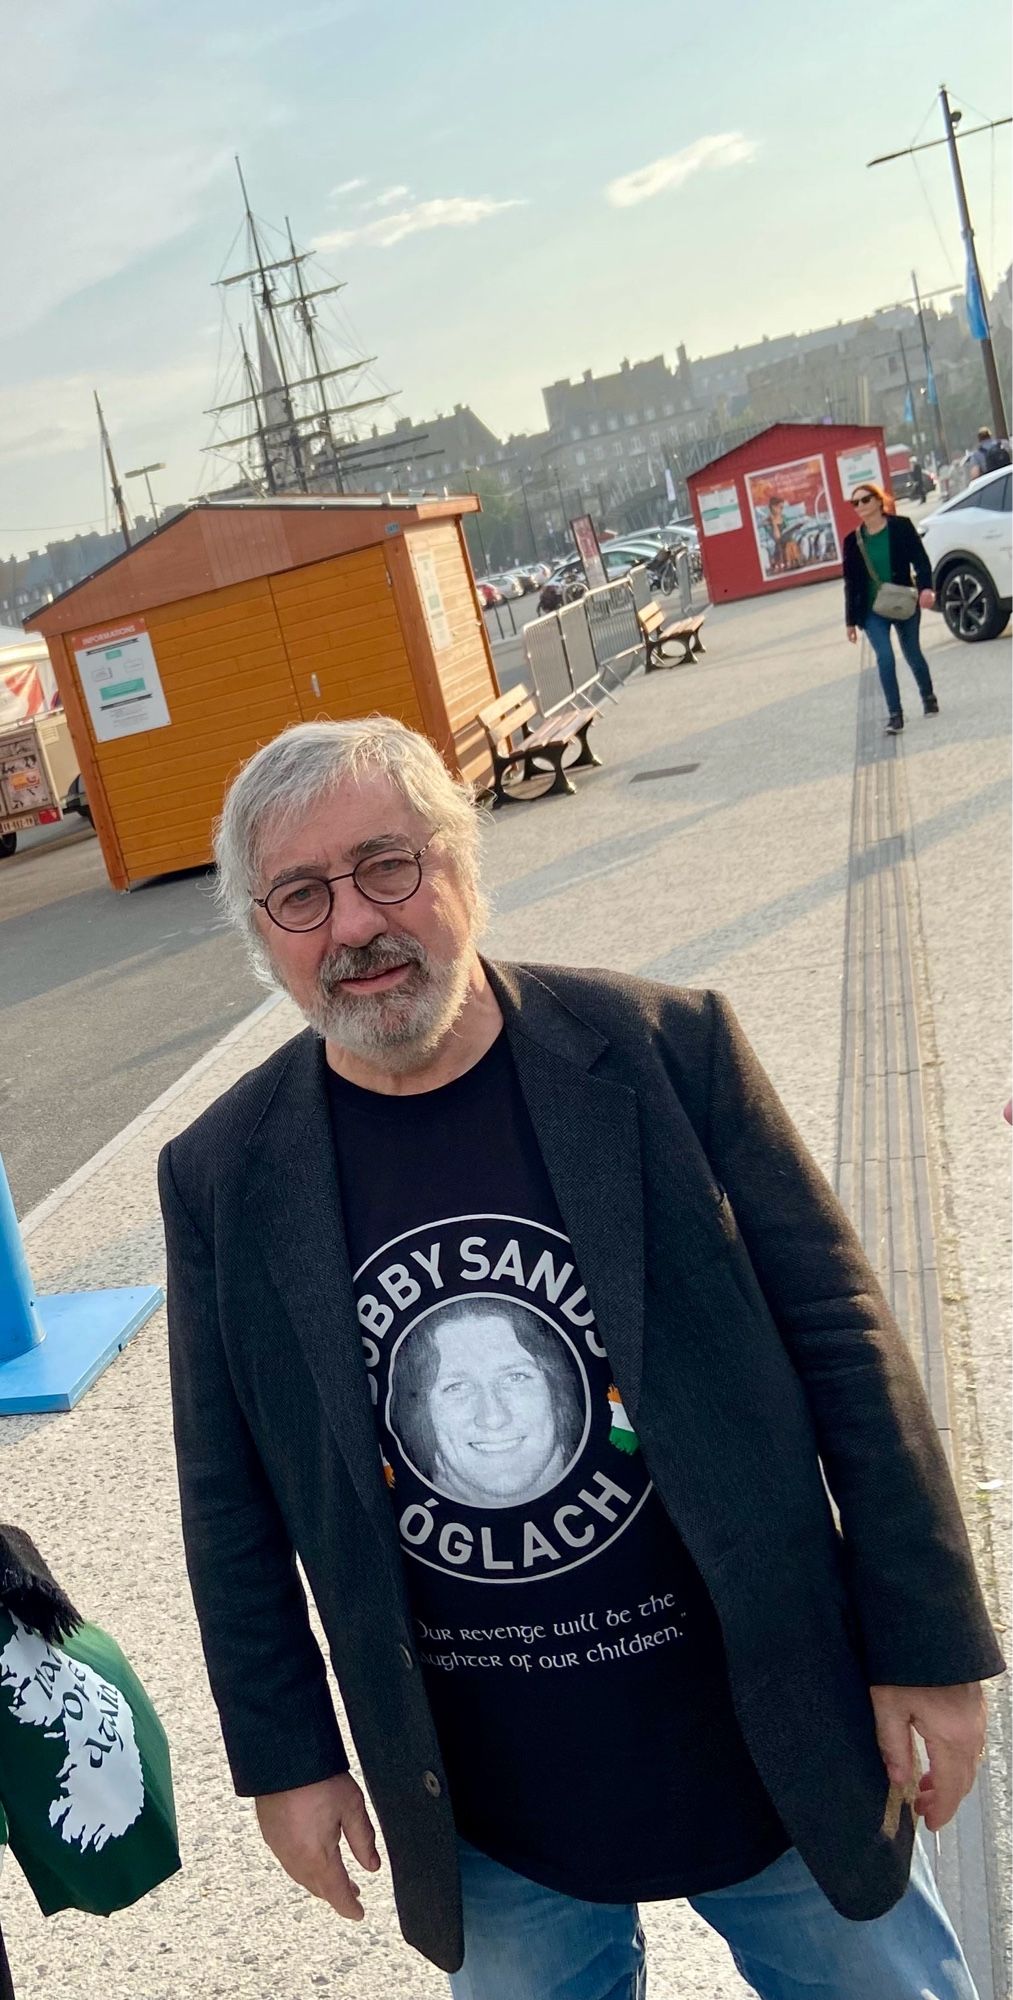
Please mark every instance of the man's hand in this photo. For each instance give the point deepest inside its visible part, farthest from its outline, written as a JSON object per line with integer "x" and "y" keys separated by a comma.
{"x": 852, "y": 634}
{"x": 951, "y": 1722}
{"x": 927, "y": 600}
{"x": 303, "y": 1829}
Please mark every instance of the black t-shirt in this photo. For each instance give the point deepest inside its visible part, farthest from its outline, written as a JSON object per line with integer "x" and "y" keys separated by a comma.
{"x": 571, "y": 1653}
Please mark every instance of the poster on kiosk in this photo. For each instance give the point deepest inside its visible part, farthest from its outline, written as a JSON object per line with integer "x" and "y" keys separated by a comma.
{"x": 789, "y": 506}
{"x": 774, "y": 511}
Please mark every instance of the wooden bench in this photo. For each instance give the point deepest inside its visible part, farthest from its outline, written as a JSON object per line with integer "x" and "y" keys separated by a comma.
{"x": 659, "y": 632}
{"x": 542, "y": 739}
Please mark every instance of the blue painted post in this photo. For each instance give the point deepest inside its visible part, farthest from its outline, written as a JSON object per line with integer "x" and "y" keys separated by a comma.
{"x": 53, "y": 1348}
{"x": 20, "y": 1326}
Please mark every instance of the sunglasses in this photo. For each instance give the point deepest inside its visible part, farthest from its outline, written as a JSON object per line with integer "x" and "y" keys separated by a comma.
{"x": 863, "y": 500}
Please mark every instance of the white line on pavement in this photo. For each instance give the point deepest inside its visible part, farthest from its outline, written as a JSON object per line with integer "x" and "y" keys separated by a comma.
{"x": 51, "y": 1202}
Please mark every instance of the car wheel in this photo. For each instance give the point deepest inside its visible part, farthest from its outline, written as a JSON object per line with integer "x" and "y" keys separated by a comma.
{"x": 8, "y": 843}
{"x": 970, "y": 604}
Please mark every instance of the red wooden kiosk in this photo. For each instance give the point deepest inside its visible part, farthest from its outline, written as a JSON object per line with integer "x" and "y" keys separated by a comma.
{"x": 773, "y": 513}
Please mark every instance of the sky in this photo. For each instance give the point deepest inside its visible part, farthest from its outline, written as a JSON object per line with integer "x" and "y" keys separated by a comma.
{"x": 512, "y": 194}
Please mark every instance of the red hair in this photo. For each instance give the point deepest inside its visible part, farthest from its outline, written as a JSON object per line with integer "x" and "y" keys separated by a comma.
{"x": 886, "y": 500}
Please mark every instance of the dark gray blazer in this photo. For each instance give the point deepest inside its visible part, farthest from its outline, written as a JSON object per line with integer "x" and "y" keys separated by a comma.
{"x": 750, "y": 1343}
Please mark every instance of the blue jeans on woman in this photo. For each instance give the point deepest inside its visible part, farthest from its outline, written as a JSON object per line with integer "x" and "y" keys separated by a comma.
{"x": 523, "y": 1942}
{"x": 878, "y": 631}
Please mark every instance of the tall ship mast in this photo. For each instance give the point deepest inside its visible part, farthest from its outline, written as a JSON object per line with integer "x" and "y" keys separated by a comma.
{"x": 291, "y": 409}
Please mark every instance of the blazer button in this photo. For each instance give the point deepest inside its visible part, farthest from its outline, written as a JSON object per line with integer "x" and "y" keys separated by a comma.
{"x": 432, "y": 1784}
{"x": 406, "y": 1655}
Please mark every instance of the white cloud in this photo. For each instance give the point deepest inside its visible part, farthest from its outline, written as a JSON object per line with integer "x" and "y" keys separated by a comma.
{"x": 56, "y": 414}
{"x": 389, "y": 196}
{"x": 453, "y": 212}
{"x": 716, "y": 149}
{"x": 345, "y": 187}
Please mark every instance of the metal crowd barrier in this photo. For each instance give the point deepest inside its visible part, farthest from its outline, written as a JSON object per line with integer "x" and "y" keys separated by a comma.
{"x": 586, "y": 649}
{"x": 640, "y": 583}
{"x": 684, "y": 580}
{"x": 616, "y": 637}
{"x": 547, "y": 660}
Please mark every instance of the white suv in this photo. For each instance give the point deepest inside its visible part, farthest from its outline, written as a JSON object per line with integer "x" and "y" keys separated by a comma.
{"x": 969, "y": 546}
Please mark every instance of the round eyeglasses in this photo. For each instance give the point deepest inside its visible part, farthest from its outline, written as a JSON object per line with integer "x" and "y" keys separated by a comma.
{"x": 305, "y": 901}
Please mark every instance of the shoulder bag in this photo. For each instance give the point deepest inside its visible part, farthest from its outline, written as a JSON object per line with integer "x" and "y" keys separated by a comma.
{"x": 892, "y": 600}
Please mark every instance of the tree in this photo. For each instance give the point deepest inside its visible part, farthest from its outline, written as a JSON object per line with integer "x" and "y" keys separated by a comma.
{"x": 498, "y": 537}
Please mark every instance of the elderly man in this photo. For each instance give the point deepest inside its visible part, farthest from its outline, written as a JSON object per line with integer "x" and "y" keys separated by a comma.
{"x": 602, "y": 1638}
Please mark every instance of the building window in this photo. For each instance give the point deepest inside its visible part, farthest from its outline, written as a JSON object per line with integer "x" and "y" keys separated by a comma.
{"x": 593, "y": 430}
{"x": 613, "y": 423}
{"x": 576, "y": 435}
{"x": 669, "y": 409}
{"x": 649, "y": 416}
{"x": 580, "y": 458}
{"x": 629, "y": 420}
{"x": 599, "y": 451}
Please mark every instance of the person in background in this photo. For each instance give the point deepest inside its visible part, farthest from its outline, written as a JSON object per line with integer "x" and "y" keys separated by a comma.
{"x": 989, "y": 456}
{"x": 890, "y": 551}
{"x": 917, "y": 479}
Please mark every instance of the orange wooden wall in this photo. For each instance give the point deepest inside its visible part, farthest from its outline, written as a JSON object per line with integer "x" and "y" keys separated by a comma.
{"x": 237, "y": 666}
{"x": 338, "y": 623}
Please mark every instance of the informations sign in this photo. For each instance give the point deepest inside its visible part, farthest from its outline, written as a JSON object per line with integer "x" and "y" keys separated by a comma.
{"x": 120, "y": 680}
{"x": 424, "y": 563}
{"x": 860, "y": 464}
{"x": 586, "y": 542}
{"x": 720, "y": 513}
{"x": 792, "y": 521}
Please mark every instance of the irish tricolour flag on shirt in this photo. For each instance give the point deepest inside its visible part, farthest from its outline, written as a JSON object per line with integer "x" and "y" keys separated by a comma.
{"x": 622, "y": 1434}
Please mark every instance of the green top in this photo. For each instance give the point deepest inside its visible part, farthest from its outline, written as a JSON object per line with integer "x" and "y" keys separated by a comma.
{"x": 877, "y": 548}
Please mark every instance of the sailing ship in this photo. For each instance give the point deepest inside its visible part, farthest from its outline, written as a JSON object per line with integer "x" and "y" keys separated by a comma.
{"x": 302, "y": 407}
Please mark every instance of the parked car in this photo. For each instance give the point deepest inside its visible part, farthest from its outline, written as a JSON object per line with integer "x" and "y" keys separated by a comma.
{"x": 507, "y": 584}
{"x": 682, "y": 530}
{"x": 526, "y": 577}
{"x": 488, "y": 592}
{"x": 568, "y": 582}
{"x": 639, "y": 548}
{"x": 968, "y": 544}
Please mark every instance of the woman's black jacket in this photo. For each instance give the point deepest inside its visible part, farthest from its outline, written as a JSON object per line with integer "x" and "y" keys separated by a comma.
{"x": 907, "y": 554}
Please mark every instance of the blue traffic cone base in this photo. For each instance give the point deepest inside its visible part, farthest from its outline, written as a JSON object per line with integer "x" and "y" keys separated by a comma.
{"x": 84, "y": 1332}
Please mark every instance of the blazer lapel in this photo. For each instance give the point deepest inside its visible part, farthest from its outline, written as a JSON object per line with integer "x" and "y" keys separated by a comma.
{"x": 588, "y": 1131}
{"x": 587, "y": 1128}
{"x": 294, "y": 1204}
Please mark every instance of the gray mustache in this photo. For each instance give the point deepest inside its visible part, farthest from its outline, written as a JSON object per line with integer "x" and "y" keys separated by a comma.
{"x": 381, "y": 955}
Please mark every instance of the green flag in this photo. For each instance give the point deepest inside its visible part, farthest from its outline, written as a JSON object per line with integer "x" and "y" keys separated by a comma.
{"x": 85, "y": 1779}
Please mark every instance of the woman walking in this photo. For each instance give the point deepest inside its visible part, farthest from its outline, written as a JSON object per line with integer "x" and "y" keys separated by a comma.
{"x": 880, "y": 557}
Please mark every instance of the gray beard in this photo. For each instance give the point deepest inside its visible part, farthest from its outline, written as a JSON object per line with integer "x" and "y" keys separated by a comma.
{"x": 396, "y": 1030}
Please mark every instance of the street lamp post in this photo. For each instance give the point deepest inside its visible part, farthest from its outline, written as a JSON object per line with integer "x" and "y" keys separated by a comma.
{"x": 527, "y": 511}
{"x": 144, "y": 472}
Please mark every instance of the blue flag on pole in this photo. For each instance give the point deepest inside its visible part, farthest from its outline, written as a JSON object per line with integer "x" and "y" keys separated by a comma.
{"x": 976, "y": 322}
{"x": 909, "y": 409}
{"x": 931, "y": 392}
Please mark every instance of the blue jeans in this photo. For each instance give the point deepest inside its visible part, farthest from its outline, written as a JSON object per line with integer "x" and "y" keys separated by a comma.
{"x": 788, "y": 1942}
{"x": 878, "y": 631}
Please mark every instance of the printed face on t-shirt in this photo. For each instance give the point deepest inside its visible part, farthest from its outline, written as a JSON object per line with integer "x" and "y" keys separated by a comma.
{"x": 486, "y": 1408}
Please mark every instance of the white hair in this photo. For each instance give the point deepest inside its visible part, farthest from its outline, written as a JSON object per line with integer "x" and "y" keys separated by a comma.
{"x": 282, "y": 782}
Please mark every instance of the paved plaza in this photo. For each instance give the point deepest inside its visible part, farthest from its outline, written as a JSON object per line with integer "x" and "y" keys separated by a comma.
{"x": 718, "y": 846}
